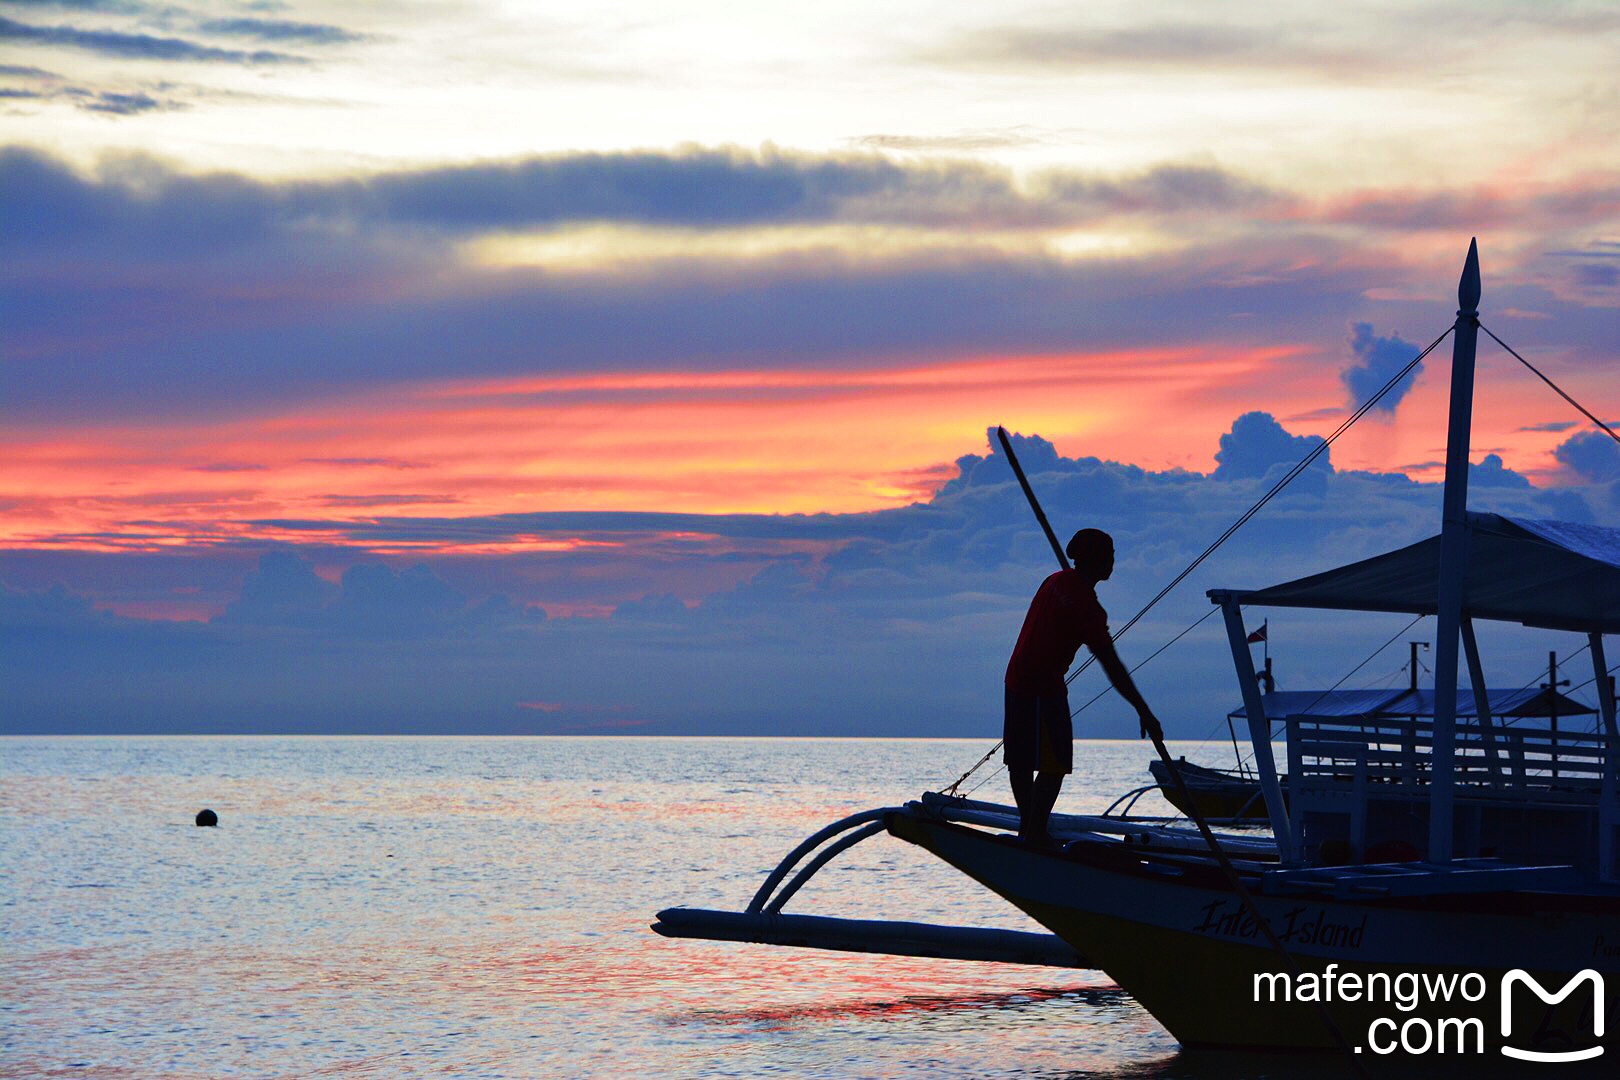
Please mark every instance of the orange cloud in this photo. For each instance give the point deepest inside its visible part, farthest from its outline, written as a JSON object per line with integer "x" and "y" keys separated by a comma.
{"x": 759, "y": 441}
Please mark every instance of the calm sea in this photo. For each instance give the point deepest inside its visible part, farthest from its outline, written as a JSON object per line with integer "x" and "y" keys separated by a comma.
{"x": 400, "y": 907}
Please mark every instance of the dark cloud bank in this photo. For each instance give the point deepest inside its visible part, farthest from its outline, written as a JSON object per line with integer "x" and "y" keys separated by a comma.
{"x": 893, "y": 622}
{"x": 311, "y": 286}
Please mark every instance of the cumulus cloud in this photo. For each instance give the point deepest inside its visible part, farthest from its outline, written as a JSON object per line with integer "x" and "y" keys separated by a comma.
{"x": 282, "y": 587}
{"x": 1257, "y": 444}
{"x": 1378, "y": 359}
{"x": 1489, "y": 472}
{"x": 397, "y": 596}
{"x": 1592, "y": 455}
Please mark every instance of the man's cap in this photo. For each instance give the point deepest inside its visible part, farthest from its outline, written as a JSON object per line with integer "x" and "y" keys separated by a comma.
{"x": 1088, "y": 546}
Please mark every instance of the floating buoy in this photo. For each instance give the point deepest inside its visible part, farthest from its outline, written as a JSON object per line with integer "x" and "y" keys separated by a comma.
{"x": 207, "y": 817}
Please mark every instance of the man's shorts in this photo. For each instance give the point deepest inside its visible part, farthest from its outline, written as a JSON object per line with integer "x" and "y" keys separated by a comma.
{"x": 1038, "y": 733}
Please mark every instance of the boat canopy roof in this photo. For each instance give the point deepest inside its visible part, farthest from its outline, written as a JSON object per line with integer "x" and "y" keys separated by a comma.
{"x": 1556, "y": 575}
{"x": 1372, "y": 704}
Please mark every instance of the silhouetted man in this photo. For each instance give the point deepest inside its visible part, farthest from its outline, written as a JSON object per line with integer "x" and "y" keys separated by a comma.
{"x": 1038, "y": 733}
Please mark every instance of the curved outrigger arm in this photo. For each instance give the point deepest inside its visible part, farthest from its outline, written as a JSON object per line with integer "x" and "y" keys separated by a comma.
{"x": 791, "y": 859}
{"x": 764, "y": 921}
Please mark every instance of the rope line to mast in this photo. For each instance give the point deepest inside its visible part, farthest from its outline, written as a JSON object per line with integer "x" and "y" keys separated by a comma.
{"x": 1593, "y": 679}
{"x": 1509, "y": 721}
{"x": 1560, "y": 390}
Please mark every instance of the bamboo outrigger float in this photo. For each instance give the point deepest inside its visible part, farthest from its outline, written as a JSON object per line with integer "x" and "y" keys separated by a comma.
{"x": 1409, "y": 845}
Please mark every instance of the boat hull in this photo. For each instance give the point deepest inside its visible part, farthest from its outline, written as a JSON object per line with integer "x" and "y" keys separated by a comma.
{"x": 1182, "y": 944}
{"x": 1214, "y": 795}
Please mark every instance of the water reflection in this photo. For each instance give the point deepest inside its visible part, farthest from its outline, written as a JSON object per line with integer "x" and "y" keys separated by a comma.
{"x": 1242, "y": 1065}
{"x": 779, "y": 1017}
{"x": 478, "y": 907}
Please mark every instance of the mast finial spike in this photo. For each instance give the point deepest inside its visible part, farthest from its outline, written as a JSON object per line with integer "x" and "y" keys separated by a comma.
{"x": 1468, "y": 285}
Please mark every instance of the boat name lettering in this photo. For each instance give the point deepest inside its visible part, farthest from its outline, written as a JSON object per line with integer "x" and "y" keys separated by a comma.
{"x": 1300, "y": 926}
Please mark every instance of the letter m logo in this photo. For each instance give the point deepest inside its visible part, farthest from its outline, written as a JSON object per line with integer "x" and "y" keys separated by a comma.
{"x": 1519, "y": 975}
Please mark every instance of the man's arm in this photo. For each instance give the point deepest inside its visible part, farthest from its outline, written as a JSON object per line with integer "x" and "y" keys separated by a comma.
{"x": 1115, "y": 669}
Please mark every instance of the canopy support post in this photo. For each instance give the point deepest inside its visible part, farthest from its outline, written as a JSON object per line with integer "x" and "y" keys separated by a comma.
{"x": 1609, "y": 807}
{"x": 1259, "y": 727}
{"x": 1605, "y": 688}
{"x": 1482, "y": 700}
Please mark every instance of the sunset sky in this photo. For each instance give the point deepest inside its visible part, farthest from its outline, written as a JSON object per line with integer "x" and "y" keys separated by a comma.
{"x": 481, "y": 366}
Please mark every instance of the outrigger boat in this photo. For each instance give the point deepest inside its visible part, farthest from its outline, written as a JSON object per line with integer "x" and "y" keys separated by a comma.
{"x": 1416, "y": 852}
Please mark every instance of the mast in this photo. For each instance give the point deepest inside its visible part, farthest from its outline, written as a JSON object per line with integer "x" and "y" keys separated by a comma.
{"x": 1453, "y": 559}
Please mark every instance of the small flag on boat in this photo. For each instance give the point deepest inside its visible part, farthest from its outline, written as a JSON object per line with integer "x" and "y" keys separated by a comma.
{"x": 1258, "y": 635}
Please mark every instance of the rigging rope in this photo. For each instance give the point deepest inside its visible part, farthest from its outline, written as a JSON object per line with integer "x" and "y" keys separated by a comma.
{"x": 1597, "y": 720}
{"x": 1593, "y": 679}
{"x": 1299, "y": 467}
{"x": 1560, "y": 390}
{"x": 1509, "y": 721}
{"x": 1102, "y": 693}
{"x": 1393, "y": 639}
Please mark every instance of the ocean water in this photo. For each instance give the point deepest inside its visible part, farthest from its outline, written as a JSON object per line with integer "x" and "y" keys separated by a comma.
{"x": 402, "y": 907}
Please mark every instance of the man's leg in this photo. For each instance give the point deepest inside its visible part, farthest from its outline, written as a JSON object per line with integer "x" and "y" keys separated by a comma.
{"x": 1055, "y": 757}
{"x": 1019, "y": 732}
{"x": 1043, "y": 797}
{"x": 1023, "y": 789}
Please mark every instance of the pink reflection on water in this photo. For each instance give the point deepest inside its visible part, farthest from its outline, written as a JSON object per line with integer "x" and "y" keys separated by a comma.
{"x": 773, "y": 1018}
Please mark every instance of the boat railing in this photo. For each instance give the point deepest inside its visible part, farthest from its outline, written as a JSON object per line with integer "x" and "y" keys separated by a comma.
{"x": 1390, "y": 753}
{"x": 1361, "y": 784}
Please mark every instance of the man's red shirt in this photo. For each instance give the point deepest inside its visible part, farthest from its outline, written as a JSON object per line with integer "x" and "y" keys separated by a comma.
{"x": 1063, "y": 616}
